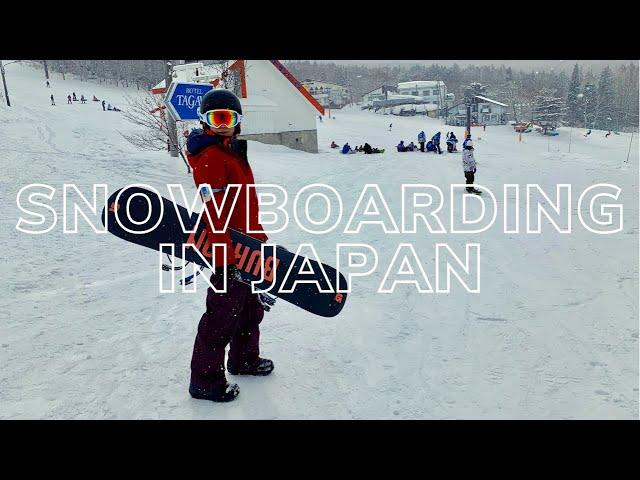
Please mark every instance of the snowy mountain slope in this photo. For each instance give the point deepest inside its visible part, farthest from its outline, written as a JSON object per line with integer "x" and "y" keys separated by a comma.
{"x": 85, "y": 334}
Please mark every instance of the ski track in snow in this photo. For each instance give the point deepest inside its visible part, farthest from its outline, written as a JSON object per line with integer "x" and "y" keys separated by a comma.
{"x": 84, "y": 332}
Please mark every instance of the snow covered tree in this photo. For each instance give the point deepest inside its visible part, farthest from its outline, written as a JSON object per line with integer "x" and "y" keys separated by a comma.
{"x": 548, "y": 111}
{"x": 574, "y": 112}
{"x": 606, "y": 100}
{"x": 589, "y": 101}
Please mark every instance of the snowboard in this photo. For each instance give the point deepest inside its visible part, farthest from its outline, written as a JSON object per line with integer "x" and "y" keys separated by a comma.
{"x": 143, "y": 215}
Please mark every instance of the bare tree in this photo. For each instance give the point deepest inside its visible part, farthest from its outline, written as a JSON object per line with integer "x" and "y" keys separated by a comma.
{"x": 150, "y": 115}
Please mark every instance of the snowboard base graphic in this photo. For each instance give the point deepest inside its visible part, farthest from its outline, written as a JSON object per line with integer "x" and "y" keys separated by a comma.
{"x": 145, "y": 209}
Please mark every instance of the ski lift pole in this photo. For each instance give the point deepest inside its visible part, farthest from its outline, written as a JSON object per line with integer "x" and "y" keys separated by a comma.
{"x": 629, "y": 153}
{"x": 570, "y": 133}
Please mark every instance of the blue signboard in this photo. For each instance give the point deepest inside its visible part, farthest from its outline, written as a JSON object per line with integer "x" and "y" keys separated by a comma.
{"x": 183, "y": 99}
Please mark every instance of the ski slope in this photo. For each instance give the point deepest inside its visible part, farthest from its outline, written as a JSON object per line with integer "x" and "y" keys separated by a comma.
{"x": 84, "y": 332}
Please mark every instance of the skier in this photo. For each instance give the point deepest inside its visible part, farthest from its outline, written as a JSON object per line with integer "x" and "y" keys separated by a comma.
{"x": 103, "y": 109}
{"x": 436, "y": 142}
{"x": 469, "y": 166}
{"x": 68, "y": 99}
{"x": 53, "y": 102}
{"x": 422, "y": 138}
{"x": 219, "y": 159}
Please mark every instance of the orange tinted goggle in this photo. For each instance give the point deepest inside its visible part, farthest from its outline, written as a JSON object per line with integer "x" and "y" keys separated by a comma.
{"x": 221, "y": 118}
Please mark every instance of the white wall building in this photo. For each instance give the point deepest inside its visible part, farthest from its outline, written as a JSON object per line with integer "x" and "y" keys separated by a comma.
{"x": 276, "y": 108}
{"x": 329, "y": 95}
{"x": 432, "y": 91}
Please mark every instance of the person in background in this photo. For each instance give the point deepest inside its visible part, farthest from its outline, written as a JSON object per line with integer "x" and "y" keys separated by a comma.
{"x": 53, "y": 102}
{"x": 608, "y": 133}
{"x": 588, "y": 133}
{"x": 401, "y": 146}
{"x": 451, "y": 143}
{"x": 466, "y": 139}
{"x": 469, "y": 166}
{"x": 422, "y": 138}
{"x": 411, "y": 147}
{"x": 48, "y": 84}
{"x": 74, "y": 97}
{"x": 390, "y": 125}
{"x": 82, "y": 99}
{"x": 69, "y": 99}
{"x": 103, "y": 109}
{"x": 484, "y": 127}
{"x": 436, "y": 142}
{"x": 346, "y": 149}
{"x": 334, "y": 145}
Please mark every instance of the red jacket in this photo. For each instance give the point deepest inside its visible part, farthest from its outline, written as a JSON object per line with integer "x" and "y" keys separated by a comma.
{"x": 219, "y": 162}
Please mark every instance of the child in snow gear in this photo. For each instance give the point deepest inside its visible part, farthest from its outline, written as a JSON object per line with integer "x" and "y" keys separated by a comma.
{"x": 469, "y": 166}
{"x": 401, "y": 146}
{"x": 451, "y": 143}
{"x": 219, "y": 159}
{"x": 334, "y": 145}
{"x": 422, "y": 138}
{"x": 430, "y": 146}
{"x": 436, "y": 141}
{"x": 346, "y": 149}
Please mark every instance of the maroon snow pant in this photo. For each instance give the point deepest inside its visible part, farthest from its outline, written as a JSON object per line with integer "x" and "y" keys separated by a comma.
{"x": 231, "y": 318}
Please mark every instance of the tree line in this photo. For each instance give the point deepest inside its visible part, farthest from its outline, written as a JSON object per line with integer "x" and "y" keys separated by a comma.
{"x": 604, "y": 100}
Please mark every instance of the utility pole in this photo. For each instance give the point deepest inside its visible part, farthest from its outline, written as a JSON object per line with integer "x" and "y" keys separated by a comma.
{"x": 46, "y": 70}
{"x": 4, "y": 84}
{"x": 171, "y": 123}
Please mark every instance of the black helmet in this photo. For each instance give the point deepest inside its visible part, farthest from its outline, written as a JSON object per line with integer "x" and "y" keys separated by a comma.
{"x": 220, "y": 98}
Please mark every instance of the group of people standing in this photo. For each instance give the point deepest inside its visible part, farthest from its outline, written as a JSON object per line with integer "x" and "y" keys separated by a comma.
{"x": 432, "y": 145}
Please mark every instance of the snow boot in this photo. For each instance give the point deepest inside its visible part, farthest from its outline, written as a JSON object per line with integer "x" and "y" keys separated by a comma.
{"x": 262, "y": 367}
{"x": 223, "y": 393}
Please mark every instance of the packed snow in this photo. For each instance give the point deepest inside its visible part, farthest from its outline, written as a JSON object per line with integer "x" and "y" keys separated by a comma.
{"x": 84, "y": 332}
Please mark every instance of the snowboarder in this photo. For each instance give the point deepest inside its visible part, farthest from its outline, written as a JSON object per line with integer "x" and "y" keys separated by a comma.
{"x": 401, "y": 147}
{"x": 74, "y": 97}
{"x": 587, "y": 134}
{"x": 48, "y": 84}
{"x": 411, "y": 147}
{"x": 422, "y": 138}
{"x": 103, "y": 109}
{"x": 390, "y": 125}
{"x": 219, "y": 159}
{"x": 607, "y": 134}
{"x": 53, "y": 102}
{"x": 69, "y": 100}
{"x": 82, "y": 99}
{"x": 436, "y": 142}
{"x": 469, "y": 166}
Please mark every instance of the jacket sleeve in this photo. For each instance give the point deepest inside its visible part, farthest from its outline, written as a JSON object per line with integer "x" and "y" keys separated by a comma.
{"x": 215, "y": 175}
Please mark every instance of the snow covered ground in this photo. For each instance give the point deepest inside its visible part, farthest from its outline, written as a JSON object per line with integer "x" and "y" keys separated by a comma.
{"x": 84, "y": 332}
